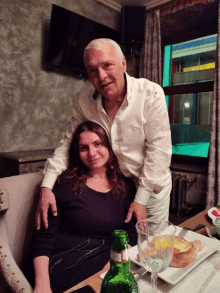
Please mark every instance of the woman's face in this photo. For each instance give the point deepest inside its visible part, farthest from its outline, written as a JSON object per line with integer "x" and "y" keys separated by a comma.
{"x": 92, "y": 152}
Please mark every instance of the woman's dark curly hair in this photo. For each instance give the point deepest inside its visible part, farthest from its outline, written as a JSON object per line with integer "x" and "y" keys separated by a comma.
{"x": 78, "y": 171}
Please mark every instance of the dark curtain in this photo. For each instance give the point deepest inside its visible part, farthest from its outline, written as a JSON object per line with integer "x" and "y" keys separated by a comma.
{"x": 150, "y": 57}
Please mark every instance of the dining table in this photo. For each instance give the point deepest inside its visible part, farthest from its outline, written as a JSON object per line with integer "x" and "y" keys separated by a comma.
{"x": 201, "y": 218}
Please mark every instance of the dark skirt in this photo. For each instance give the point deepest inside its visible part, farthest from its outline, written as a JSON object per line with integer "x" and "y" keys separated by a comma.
{"x": 70, "y": 267}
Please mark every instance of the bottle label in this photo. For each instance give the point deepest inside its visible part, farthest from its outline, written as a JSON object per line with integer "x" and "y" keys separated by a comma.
{"x": 119, "y": 257}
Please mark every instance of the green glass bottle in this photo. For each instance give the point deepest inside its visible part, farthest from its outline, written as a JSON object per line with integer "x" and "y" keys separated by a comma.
{"x": 119, "y": 279}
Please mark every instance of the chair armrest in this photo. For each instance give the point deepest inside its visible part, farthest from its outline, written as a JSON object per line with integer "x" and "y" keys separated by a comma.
{"x": 4, "y": 200}
{"x": 10, "y": 270}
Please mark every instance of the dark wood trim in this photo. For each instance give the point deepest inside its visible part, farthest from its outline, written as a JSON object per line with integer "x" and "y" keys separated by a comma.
{"x": 199, "y": 160}
{"x": 189, "y": 164}
{"x": 188, "y": 35}
{"x": 199, "y": 87}
{"x": 204, "y": 26}
{"x": 162, "y": 6}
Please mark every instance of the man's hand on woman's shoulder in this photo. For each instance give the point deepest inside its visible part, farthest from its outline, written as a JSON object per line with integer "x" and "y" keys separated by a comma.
{"x": 47, "y": 200}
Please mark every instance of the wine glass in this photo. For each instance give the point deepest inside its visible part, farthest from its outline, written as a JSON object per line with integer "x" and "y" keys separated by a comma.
{"x": 155, "y": 246}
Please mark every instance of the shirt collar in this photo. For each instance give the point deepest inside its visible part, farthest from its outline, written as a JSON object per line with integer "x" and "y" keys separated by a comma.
{"x": 95, "y": 94}
{"x": 129, "y": 88}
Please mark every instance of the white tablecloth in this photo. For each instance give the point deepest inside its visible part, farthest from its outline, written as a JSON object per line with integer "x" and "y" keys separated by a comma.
{"x": 197, "y": 281}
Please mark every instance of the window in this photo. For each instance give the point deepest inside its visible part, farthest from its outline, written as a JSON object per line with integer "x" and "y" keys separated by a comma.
{"x": 188, "y": 76}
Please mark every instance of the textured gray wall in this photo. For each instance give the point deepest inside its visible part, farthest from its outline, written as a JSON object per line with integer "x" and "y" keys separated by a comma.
{"x": 35, "y": 104}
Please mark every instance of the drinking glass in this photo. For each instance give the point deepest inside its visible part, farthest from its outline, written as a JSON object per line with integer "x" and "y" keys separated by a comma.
{"x": 155, "y": 246}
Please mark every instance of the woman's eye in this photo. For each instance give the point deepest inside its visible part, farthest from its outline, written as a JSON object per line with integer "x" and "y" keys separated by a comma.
{"x": 98, "y": 144}
{"x": 83, "y": 148}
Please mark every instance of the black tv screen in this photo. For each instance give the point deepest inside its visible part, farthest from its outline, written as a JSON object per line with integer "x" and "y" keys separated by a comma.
{"x": 69, "y": 34}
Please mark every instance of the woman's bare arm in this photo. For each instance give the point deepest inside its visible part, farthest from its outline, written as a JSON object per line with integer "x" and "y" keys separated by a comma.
{"x": 42, "y": 279}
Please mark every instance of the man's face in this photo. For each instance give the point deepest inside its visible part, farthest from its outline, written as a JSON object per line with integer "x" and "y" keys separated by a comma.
{"x": 106, "y": 71}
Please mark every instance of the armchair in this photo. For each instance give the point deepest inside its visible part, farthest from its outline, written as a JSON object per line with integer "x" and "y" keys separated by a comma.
{"x": 18, "y": 201}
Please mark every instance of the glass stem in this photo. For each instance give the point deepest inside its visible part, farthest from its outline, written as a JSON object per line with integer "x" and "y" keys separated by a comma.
{"x": 154, "y": 282}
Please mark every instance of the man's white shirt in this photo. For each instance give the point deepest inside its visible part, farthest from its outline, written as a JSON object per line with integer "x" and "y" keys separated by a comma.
{"x": 139, "y": 134}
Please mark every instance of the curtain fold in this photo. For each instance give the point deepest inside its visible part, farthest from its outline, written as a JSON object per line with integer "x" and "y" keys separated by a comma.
{"x": 213, "y": 190}
{"x": 150, "y": 56}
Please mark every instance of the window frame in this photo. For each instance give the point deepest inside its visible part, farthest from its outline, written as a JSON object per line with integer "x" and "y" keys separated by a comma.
{"x": 185, "y": 35}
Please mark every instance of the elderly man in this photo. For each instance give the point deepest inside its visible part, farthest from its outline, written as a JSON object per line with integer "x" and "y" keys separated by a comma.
{"x": 134, "y": 114}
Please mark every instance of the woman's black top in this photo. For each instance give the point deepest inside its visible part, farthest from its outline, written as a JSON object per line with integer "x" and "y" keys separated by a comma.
{"x": 82, "y": 230}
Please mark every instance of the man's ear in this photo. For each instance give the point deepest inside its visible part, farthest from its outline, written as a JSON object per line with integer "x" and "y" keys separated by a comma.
{"x": 124, "y": 64}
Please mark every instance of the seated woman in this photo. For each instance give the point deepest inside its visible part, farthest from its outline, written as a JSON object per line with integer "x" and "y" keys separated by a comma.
{"x": 93, "y": 198}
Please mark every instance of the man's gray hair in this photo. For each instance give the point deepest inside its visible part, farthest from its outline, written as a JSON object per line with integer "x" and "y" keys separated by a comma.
{"x": 97, "y": 44}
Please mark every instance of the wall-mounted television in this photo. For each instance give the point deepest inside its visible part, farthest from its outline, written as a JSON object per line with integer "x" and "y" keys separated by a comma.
{"x": 69, "y": 34}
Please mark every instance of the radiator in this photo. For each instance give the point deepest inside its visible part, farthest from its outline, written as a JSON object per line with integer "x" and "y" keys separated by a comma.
{"x": 178, "y": 193}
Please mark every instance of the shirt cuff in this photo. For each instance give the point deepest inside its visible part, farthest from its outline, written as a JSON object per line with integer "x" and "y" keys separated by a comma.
{"x": 49, "y": 180}
{"x": 142, "y": 196}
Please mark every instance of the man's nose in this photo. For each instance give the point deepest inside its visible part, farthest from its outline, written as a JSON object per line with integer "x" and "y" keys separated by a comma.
{"x": 102, "y": 74}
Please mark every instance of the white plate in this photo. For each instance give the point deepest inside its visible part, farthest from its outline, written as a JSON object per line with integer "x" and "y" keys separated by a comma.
{"x": 173, "y": 275}
{"x": 210, "y": 213}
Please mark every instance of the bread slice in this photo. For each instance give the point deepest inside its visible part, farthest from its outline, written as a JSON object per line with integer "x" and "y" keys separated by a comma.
{"x": 198, "y": 244}
{"x": 184, "y": 252}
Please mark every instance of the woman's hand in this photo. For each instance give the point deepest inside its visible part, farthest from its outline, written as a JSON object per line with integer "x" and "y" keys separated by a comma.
{"x": 47, "y": 200}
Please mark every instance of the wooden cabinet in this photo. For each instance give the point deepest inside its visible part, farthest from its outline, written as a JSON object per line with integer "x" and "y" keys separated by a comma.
{"x": 21, "y": 162}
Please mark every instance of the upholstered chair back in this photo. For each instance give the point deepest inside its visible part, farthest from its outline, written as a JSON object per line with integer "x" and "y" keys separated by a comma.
{"x": 18, "y": 201}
